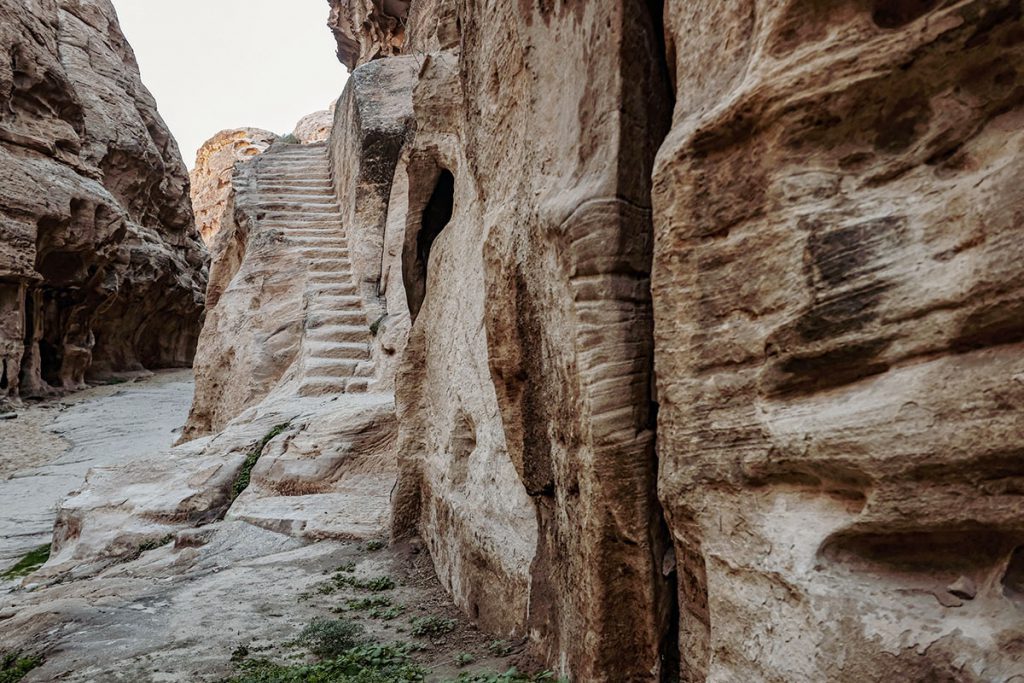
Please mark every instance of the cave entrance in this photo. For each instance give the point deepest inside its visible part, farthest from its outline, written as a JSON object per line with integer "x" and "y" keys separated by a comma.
{"x": 437, "y": 214}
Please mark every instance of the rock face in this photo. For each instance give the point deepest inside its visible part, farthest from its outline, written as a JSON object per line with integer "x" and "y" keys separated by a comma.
{"x": 101, "y": 268}
{"x": 368, "y": 29}
{"x": 211, "y": 177}
{"x": 315, "y": 127}
{"x": 837, "y": 287}
{"x": 839, "y": 299}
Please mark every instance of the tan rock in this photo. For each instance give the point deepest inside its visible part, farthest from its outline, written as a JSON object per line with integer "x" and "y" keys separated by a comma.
{"x": 368, "y": 29}
{"x": 101, "y": 268}
{"x": 211, "y": 177}
{"x": 838, "y": 293}
{"x": 315, "y": 127}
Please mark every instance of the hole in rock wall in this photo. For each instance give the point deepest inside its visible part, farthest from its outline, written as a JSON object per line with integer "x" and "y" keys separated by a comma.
{"x": 1013, "y": 579}
{"x": 436, "y": 216}
{"x": 4, "y": 383}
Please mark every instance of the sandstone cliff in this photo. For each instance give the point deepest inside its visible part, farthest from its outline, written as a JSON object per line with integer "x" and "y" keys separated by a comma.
{"x": 211, "y": 177}
{"x": 835, "y": 249}
{"x": 101, "y": 268}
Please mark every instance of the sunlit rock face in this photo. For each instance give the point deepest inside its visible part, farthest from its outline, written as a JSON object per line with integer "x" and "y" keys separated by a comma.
{"x": 101, "y": 267}
{"x": 839, "y": 317}
{"x": 211, "y": 177}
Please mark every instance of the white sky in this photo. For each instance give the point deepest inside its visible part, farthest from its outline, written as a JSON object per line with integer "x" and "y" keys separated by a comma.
{"x": 216, "y": 64}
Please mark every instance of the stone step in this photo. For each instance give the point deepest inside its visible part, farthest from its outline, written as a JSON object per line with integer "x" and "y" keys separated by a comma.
{"x": 336, "y": 303}
{"x": 329, "y": 265}
{"x": 329, "y": 313}
{"x": 297, "y": 207}
{"x": 345, "y": 350}
{"x": 320, "y": 386}
{"x": 296, "y": 185}
{"x": 330, "y": 232}
{"x": 337, "y": 333}
{"x": 298, "y": 197}
{"x": 332, "y": 367}
{"x": 357, "y": 385}
{"x": 325, "y": 250}
{"x": 335, "y": 294}
{"x": 293, "y": 179}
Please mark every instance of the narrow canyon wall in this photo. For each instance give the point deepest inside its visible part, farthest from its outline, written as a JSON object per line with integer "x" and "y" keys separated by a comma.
{"x": 836, "y": 328}
{"x": 101, "y": 268}
{"x": 519, "y": 248}
{"x": 839, "y": 298}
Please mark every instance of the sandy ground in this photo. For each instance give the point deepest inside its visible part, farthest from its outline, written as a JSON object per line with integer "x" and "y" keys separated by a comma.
{"x": 46, "y": 451}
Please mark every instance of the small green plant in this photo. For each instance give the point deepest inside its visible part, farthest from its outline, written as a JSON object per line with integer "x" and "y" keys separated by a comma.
{"x": 432, "y": 626}
{"x": 245, "y": 473}
{"x": 510, "y": 676}
{"x": 329, "y": 638}
{"x": 499, "y": 648}
{"x": 151, "y": 544}
{"x": 28, "y": 564}
{"x": 376, "y": 584}
{"x": 364, "y": 604}
{"x": 375, "y": 325}
{"x": 388, "y": 613}
{"x": 360, "y": 664}
{"x": 14, "y": 666}
{"x": 288, "y": 139}
{"x": 240, "y": 653}
{"x": 375, "y": 545}
{"x": 464, "y": 659}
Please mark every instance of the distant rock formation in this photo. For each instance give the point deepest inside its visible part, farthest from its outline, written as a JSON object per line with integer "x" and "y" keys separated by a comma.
{"x": 315, "y": 127}
{"x": 215, "y": 164}
{"x": 101, "y": 268}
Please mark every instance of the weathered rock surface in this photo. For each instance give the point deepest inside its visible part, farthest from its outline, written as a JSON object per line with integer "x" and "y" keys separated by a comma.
{"x": 315, "y": 127}
{"x": 102, "y": 427}
{"x": 215, "y": 165}
{"x": 838, "y": 295}
{"x": 373, "y": 121}
{"x": 101, "y": 268}
{"x": 283, "y": 307}
{"x": 839, "y": 300}
{"x": 368, "y": 29}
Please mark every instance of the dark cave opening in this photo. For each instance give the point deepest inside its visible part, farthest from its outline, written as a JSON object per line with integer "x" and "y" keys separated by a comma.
{"x": 437, "y": 214}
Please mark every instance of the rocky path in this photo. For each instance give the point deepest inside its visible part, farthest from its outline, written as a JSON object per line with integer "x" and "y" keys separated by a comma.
{"x": 61, "y": 441}
{"x": 297, "y": 197}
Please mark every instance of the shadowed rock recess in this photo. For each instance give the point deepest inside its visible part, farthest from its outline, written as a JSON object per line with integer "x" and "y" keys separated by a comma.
{"x": 686, "y": 338}
{"x": 101, "y": 268}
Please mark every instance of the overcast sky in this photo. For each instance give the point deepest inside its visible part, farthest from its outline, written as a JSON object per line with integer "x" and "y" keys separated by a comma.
{"x": 216, "y": 64}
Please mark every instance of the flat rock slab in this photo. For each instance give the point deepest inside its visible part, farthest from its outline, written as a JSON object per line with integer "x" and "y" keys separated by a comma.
{"x": 105, "y": 426}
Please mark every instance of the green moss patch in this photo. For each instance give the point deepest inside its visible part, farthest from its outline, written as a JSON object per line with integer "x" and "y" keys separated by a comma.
{"x": 28, "y": 564}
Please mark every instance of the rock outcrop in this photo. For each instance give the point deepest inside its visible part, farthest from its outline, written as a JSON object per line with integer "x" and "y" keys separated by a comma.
{"x": 101, "y": 268}
{"x": 315, "y": 127}
{"x": 368, "y": 29}
{"x": 215, "y": 165}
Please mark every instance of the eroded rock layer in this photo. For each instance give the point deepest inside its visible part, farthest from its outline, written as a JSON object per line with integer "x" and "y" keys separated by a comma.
{"x": 837, "y": 286}
{"x": 839, "y": 299}
{"x": 101, "y": 268}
